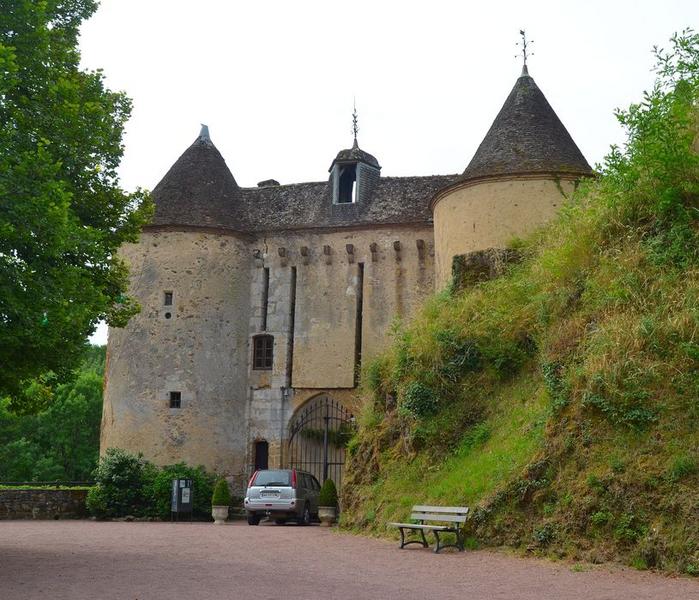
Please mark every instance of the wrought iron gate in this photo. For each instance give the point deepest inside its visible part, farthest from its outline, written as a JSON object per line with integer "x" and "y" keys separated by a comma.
{"x": 318, "y": 435}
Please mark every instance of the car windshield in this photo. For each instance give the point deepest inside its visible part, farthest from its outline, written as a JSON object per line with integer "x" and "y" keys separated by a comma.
{"x": 272, "y": 478}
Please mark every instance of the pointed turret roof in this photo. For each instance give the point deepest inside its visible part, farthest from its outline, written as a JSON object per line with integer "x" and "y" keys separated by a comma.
{"x": 197, "y": 188}
{"x": 526, "y": 137}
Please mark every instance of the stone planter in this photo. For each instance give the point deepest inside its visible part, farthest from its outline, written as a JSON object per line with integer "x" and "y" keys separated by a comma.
{"x": 220, "y": 514}
{"x": 327, "y": 515}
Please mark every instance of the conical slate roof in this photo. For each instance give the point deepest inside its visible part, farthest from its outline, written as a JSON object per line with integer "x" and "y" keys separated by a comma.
{"x": 526, "y": 137}
{"x": 198, "y": 188}
{"x": 355, "y": 154}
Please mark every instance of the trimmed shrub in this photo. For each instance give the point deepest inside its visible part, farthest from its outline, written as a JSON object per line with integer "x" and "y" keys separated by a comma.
{"x": 222, "y": 493}
{"x": 127, "y": 484}
{"x": 158, "y": 490}
{"x": 328, "y": 494}
{"x": 120, "y": 480}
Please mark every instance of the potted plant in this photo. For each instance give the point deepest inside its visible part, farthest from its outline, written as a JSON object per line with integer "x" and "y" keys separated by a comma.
{"x": 220, "y": 500}
{"x": 327, "y": 500}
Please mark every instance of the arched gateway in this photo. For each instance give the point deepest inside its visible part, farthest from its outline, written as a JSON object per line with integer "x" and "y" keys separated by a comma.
{"x": 318, "y": 436}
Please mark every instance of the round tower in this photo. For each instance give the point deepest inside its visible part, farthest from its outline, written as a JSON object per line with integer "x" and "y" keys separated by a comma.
{"x": 175, "y": 385}
{"x": 523, "y": 170}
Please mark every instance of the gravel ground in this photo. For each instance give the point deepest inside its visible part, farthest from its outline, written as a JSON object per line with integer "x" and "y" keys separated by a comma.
{"x": 56, "y": 560}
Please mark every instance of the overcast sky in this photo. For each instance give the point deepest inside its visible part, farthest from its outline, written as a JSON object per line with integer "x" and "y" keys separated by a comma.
{"x": 275, "y": 80}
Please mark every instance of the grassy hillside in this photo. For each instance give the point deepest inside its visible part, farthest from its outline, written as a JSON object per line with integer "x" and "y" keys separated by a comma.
{"x": 561, "y": 400}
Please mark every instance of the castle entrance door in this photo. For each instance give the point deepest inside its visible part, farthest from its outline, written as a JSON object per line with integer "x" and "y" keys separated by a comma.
{"x": 318, "y": 436}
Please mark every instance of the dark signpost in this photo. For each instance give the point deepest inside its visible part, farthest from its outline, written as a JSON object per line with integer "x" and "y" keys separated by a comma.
{"x": 181, "y": 499}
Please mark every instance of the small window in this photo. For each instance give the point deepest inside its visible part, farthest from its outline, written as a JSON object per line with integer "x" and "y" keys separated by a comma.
{"x": 175, "y": 399}
{"x": 347, "y": 192}
{"x": 167, "y": 299}
{"x": 263, "y": 352}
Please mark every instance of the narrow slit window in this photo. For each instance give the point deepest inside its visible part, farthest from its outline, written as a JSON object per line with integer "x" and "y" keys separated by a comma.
{"x": 265, "y": 298}
{"x": 263, "y": 352}
{"x": 167, "y": 298}
{"x": 175, "y": 399}
{"x": 347, "y": 193}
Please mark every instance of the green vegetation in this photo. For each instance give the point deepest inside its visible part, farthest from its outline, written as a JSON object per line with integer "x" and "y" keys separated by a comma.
{"x": 62, "y": 213}
{"x": 44, "y": 487}
{"x": 328, "y": 494}
{"x": 559, "y": 400}
{"x": 222, "y": 493}
{"x": 127, "y": 484}
{"x": 62, "y": 441}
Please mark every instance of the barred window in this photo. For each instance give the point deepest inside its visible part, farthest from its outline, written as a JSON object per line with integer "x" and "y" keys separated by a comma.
{"x": 175, "y": 399}
{"x": 263, "y": 352}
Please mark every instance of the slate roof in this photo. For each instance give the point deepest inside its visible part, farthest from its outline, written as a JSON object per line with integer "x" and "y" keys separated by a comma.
{"x": 526, "y": 137}
{"x": 200, "y": 190}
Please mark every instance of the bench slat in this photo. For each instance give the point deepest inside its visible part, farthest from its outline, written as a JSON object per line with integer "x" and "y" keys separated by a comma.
{"x": 415, "y": 526}
{"x": 441, "y": 509}
{"x": 438, "y": 517}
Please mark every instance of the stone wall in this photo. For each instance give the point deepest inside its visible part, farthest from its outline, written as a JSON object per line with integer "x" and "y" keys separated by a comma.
{"x": 318, "y": 283}
{"x": 488, "y": 214}
{"x": 42, "y": 504}
{"x": 197, "y": 346}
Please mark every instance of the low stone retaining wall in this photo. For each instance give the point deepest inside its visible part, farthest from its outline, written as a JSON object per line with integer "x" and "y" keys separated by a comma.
{"x": 42, "y": 504}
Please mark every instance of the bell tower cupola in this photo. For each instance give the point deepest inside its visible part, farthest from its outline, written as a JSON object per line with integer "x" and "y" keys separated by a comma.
{"x": 354, "y": 172}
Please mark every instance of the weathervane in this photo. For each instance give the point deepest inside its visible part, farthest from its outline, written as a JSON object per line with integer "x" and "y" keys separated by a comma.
{"x": 355, "y": 126}
{"x": 524, "y": 44}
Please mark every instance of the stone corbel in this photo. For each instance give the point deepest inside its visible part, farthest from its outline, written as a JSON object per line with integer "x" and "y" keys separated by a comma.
{"x": 305, "y": 254}
{"x": 374, "y": 247}
{"x": 258, "y": 258}
{"x": 283, "y": 256}
{"x": 396, "y": 247}
{"x": 350, "y": 253}
{"x": 420, "y": 249}
{"x": 327, "y": 251}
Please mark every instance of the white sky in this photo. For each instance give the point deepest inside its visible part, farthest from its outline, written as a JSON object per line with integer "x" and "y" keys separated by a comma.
{"x": 275, "y": 80}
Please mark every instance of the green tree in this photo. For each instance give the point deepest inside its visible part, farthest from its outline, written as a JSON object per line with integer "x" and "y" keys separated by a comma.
{"x": 62, "y": 212}
{"x": 62, "y": 441}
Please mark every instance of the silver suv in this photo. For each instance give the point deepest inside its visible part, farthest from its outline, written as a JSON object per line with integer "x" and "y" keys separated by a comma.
{"x": 282, "y": 494}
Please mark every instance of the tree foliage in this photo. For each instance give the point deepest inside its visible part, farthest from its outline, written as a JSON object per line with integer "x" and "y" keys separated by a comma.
{"x": 62, "y": 212}
{"x": 62, "y": 441}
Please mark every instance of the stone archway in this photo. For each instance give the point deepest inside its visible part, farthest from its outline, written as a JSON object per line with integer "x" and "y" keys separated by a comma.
{"x": 318, "y": 435}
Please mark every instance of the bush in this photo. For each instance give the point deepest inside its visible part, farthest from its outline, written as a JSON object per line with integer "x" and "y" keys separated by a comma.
{"x": 127, "y": 484}
{"x": 96, "y": 502}
{"x": 328, "y": 494}
{"x": 159, "y": 489}
{"x": 120, "y": 478}
{"x": 222, "y": 494}
{"x": 419, "y": 400}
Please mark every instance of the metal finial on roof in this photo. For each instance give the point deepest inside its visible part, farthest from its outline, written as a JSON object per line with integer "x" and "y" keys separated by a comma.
{"x": 355, "y": 126}
{"x": 525, "y": 53}
{"x": 204, "y": 133}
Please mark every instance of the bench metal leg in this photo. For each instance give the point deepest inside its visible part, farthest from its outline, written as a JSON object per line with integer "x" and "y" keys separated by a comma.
{"x": 459, "y": 545}
{"x": 422, "y": 542}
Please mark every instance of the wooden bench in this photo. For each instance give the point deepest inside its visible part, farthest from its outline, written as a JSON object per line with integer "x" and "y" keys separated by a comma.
{"x": 455, "y": 515}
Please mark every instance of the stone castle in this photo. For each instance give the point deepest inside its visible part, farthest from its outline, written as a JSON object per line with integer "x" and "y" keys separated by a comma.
{"x": 257, "y": 302}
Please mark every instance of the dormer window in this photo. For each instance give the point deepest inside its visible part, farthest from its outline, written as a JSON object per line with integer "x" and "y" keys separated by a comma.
{"x": 347, "y": 192}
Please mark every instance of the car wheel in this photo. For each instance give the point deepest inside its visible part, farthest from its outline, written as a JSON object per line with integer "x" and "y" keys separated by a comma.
{"x": 253, "y": 519}
{"x": 306, "y": 516}
{"x": 280, "y": 521}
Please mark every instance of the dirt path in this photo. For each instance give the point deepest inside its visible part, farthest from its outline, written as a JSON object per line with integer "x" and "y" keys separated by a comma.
{"x": 57, "y": 560}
